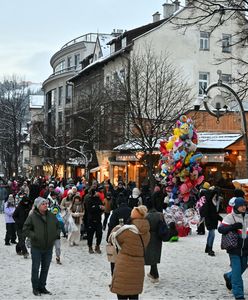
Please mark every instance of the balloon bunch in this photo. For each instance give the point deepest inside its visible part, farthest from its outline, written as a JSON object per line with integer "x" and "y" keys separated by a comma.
{"x": 179, "y": 162}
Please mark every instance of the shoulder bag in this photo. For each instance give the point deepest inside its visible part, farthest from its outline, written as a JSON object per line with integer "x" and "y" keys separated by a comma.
{"x": 229, "y": 240}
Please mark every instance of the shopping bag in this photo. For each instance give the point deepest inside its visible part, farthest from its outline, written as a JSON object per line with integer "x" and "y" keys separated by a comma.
{"x": 72, "y": 227}
{"x": 111, "y": 253}
{"x": 229, "y": 240}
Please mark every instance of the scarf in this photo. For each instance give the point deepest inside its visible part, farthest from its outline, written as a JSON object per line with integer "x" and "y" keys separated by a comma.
{"x": 113, "y": 235}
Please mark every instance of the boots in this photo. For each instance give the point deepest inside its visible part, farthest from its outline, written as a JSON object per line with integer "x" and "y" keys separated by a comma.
{"x": 97, "y": 250}
{"x": 206, "y": 249}
{"x": 91, "y": 250}
{"x": 211, "y": 252}
{"x": 58, "y": 260}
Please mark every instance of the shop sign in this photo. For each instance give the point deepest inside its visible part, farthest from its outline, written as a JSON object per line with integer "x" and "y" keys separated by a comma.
{"x": 126, "y": 157}
{"x": 213, "y": 157}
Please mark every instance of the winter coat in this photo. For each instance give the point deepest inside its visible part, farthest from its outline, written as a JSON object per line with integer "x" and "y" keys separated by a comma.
{"x": 21, "y": 213}
{"x": 158, "y": 200}
{"x": 42, "y": 230}
{"x": 128, "y": 276}
{"x": 8, "y": 213}
{"x": 94, "y": 209}
{"x": 154, "y": 248}
{"x": 226, "y": 226}
{"x": 122, "y": 212}
{"x": 210, "y": 210}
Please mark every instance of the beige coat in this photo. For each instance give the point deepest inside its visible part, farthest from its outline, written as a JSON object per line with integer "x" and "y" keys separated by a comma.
{"x": 128, "y": 277}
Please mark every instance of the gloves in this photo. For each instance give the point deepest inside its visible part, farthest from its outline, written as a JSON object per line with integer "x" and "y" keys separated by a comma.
{"x": 236, "y": 226}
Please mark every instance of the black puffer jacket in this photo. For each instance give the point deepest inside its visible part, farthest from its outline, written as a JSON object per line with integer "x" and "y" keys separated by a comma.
{"x": 21, "y": 213}
{"x": 210, "y": 209}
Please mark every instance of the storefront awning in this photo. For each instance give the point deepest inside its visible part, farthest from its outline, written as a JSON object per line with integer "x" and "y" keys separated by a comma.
{"x": 96, "y": 169}
{"x": 216, "y": 140}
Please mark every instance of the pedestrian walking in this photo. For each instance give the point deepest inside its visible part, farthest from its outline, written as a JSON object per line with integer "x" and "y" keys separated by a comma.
{"x": 236, "y": 221}
{"x": 210, "y": 211}
{"x": 9, "y": 208}
{"x": 131, "y": 241}
{"x": 42, "y": 227}
{"x": 154, "y": 248}
{"x": 76, "y": 210}
{"x": 20, "y": 215}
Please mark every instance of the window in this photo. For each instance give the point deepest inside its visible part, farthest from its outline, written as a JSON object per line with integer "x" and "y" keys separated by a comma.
{"x": 60, "y": 95}
{"x": 112, "y": 48}
{"x": 60, "y": 117}
{"x": 203, "y": 82}
{"x": 69, "y": 62}
{"x": 107, "y": 80}
{"x": 204, "y": 40}
{"x": 76, "y": 59}
{"x": 226, "y": 43}
{"x": 124, "y": 42}
{"x": 122, "y": 74}
{"x": 226, "y": 78}
{"x": 60, "y": 67}
{"x": 68, "y": 94}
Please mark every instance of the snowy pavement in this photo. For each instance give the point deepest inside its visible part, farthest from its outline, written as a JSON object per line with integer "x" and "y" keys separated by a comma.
{"x": 186, "y": 272}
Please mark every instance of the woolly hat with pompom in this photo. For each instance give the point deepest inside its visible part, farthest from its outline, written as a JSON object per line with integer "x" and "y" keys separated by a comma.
{"x": 139, "y": 212}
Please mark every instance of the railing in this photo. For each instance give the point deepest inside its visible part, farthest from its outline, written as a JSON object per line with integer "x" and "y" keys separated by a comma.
{"x": 89, "y": 37}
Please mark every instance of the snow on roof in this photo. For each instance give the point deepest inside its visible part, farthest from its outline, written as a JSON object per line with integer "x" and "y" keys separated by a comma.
{"x": 216, "y": 140}
{"x": 206, "y": 140}
{"x": 36, "y": 101}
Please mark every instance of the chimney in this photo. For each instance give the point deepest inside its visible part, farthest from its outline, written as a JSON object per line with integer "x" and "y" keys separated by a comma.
{"x": 168, "y": 9}
{"x": 176, "y": 5}
{"x": 156, "y": 17}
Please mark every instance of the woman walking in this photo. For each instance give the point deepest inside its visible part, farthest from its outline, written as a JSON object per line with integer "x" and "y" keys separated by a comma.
{"x": 77, "y": 211}
{"x": 237, "y": 221}
{"x": 210, "y": 211}
{"x": 131, "y": 240}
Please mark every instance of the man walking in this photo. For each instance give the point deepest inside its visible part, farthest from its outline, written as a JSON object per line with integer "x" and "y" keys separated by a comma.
{"x": 42, "y": 227}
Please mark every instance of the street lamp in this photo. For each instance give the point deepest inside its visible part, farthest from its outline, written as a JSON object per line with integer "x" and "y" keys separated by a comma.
{"x": 220, "y": 107}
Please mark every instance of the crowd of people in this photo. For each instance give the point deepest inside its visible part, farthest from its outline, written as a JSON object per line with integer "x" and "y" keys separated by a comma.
{"x": 39, "y": 213}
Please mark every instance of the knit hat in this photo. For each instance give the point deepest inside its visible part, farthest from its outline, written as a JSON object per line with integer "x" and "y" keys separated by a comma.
{"x": 135, "y": 193}
{"x": 38, "y": 201}
{"x": 206, "y": 185}
{"x": 239, "y": 202}
{"x": 139, "y": 212}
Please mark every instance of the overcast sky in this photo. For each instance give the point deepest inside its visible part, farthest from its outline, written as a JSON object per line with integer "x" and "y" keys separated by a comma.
{"x": 32, "y": 31}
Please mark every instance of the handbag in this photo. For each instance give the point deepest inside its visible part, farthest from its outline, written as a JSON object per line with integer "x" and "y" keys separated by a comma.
{"x": 229, "y": 240}
{"x": 163, "y": 230}
{"x": 111, "y": 253}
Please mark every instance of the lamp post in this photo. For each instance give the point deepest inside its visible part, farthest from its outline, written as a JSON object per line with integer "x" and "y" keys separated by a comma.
{"x": 220, "y": 108}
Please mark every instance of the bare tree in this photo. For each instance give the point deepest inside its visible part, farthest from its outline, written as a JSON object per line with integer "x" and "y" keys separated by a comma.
{"x": 153, "y": 95}
{"x": 212, "y": 14}
{"x": 14, "y": 96}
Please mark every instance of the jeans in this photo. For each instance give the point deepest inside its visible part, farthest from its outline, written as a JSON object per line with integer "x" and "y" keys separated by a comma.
{"x": 238, "y": 265}
{"x": 41, "y": 260}
{"x": 210, "y": 238}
